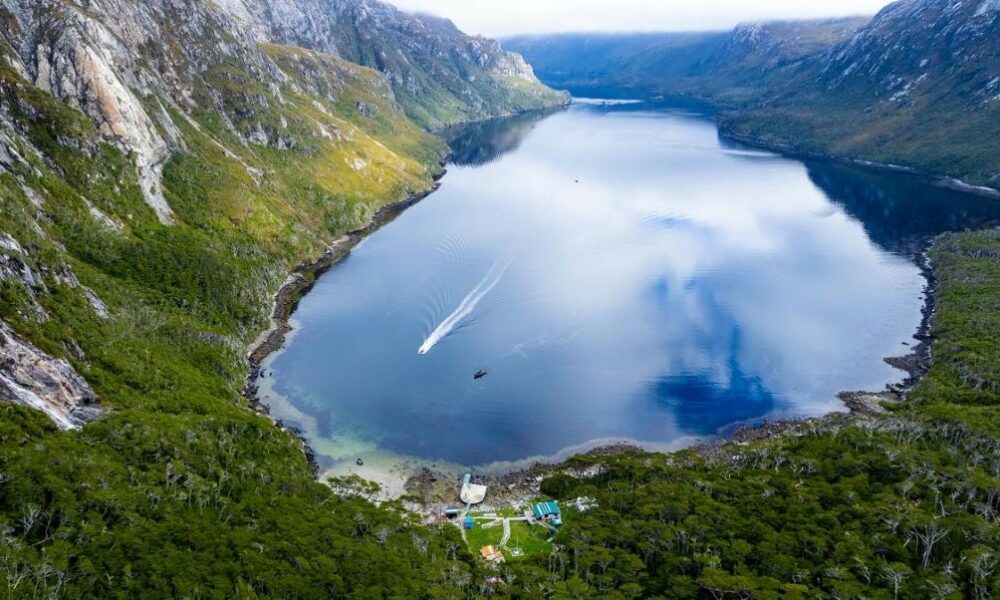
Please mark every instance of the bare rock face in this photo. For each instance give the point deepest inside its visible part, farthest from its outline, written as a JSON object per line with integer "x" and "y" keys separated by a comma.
{"x": 30, "y": 377}
{"x": 13, "y": 267}
{"x": 74, "y": 56}
{"x": 920, "y": 47}
{"x": 70, "y": 68}
{"x": 118, "y": 61}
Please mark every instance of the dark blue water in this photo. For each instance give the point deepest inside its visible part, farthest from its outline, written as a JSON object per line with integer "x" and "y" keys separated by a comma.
{"x": 622, "y": 274}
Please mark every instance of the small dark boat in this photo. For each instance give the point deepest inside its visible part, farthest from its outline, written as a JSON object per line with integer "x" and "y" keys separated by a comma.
{"x": 361, "y": 463}
{"x": 479, "y": 374}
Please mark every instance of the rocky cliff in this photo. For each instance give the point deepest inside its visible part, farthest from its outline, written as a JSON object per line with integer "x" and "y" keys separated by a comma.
{"x": 29, "y": 377}
{"x": 252, "y": 128}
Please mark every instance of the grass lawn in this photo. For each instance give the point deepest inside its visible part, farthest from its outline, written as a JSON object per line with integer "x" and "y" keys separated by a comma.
{"x": 530, "y": 539}
{"x": 480, "y": 536}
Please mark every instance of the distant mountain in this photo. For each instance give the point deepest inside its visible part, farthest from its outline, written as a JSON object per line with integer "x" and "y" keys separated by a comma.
{"x": 918, "y": 85}
{"x": 937, "y": 48}
{"x": 640, "y": 63}
{"x": 680, "y": 63}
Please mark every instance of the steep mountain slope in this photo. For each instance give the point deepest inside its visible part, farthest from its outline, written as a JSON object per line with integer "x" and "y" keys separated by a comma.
{"x": 439, "y": 74}
{"x": 163, "y": 164}
{"x": 918, "y": 85}
{"x": 758, "y": 58}
{"x": 912, "y": 44}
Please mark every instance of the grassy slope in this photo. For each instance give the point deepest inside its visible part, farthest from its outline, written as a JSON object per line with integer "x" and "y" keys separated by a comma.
{"x": 181, "y": 491}
{"x": 930, "y": 136}
{"x": 839, "y": 508}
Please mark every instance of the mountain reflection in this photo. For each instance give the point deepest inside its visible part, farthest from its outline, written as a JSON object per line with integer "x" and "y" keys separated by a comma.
{"x": 703, "y": 404}
{"x": 899, "y": 212}
{"x": 485, "y": 141}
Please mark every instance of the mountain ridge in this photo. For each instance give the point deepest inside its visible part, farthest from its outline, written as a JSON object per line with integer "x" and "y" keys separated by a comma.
{"x": 917, "y": 85}
{"x": 443, "y": 76}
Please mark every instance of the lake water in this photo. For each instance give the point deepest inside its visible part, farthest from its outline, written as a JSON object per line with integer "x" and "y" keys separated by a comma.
{"x": 621, "y": 274}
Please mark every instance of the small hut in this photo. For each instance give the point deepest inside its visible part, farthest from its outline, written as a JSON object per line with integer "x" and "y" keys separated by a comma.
{"x": 491, "y": 554}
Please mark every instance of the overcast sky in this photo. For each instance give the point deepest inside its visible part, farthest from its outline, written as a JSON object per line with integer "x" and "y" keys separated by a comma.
{"x": 507, "y": 17}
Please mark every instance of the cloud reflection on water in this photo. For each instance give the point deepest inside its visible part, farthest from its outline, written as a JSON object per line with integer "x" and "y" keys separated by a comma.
{"x": 662, "y": 284}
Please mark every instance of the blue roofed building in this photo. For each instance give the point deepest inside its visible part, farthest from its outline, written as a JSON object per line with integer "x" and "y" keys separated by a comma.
{"x": 548, "y": 512}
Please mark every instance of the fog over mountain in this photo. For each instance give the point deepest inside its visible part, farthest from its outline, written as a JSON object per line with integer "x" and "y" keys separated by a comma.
{"x": 555, "y": 16}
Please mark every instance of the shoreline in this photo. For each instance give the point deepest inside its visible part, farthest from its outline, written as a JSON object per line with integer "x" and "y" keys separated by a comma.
{"x": 716, "y": 109}
{"x": 297, "y": 284}
{"x": 517, "y": 482}
{"x": 935, "y": 179}
{"x": 424, "y": 480}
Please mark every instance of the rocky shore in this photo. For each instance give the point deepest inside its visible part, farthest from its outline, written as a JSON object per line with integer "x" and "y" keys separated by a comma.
{"x": 298, "y": 283}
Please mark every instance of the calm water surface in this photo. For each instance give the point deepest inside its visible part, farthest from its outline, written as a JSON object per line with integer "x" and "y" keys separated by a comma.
{"x": 622, "y": 274}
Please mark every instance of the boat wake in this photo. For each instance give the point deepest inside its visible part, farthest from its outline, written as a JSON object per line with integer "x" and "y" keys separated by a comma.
{"x": 465, "y": 307}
